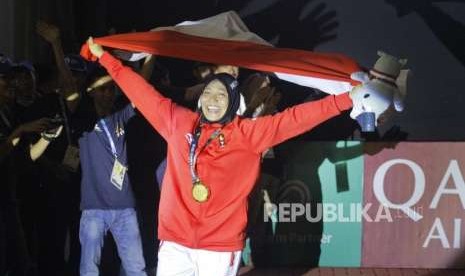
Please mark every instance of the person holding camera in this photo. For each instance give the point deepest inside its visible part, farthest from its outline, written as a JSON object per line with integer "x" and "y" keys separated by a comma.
{"x": 22, "y": 143}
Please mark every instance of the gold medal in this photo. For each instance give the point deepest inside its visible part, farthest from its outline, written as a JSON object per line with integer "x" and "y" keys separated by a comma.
{"x": 200, "y": 192}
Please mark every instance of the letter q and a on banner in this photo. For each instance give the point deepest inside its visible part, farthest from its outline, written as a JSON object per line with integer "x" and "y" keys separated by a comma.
{"x": 423, "y": 187}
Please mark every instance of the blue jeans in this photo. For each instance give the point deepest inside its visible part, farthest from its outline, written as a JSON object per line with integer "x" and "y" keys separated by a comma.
{"x": 125, "y": 230}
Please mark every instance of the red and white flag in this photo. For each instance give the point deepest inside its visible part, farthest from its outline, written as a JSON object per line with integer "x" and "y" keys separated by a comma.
{"x": 225, "y": 39}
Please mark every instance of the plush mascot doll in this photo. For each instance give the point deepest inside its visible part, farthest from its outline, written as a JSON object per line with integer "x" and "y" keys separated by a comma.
{"x": 385, "y": 85}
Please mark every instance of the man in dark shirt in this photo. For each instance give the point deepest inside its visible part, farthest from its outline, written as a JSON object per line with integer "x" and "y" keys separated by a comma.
{"x": 107, "y": 200}
{"x": 19, "y": 148}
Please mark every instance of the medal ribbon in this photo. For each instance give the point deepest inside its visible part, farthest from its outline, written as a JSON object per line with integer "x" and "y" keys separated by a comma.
{"x": 193, "y": 156}
{"x": 107, "y": 132}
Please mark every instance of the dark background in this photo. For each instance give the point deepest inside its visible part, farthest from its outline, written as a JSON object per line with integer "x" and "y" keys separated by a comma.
{"x": 430, "y": 33}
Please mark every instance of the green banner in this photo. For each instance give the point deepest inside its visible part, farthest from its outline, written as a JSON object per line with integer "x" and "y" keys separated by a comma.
{"x": 331, "y": 230}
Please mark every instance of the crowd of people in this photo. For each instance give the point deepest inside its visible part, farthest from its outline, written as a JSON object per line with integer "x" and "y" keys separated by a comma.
{"x": 79, "y": 159}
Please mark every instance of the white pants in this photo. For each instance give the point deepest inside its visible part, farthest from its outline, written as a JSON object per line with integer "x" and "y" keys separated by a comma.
{"x": 175, "y": 259}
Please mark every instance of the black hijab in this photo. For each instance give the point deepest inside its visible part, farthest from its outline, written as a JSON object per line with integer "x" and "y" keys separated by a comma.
{"x": 232, "y": 87}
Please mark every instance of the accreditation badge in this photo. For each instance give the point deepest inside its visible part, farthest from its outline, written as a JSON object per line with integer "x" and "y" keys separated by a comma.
{"x": 200, "y": 192}
{"x": 117, "y": 174}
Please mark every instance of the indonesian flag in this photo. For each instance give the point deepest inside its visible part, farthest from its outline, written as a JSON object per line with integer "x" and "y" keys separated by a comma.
{"x": 225, "y": 39}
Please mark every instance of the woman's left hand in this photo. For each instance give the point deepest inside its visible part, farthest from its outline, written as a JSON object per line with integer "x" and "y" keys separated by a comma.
{"x": 95, "y": 48}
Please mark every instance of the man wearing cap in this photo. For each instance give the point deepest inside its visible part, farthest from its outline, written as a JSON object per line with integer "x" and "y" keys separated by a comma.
{"x": 19, "y": 148}
{"x": 107, "y": 199}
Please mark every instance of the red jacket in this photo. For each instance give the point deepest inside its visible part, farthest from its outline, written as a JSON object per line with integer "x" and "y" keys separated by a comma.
{"x": 229, "y": 171}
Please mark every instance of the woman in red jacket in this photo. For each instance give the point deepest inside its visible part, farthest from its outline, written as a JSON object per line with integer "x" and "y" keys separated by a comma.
{"x": 213, "y": 163}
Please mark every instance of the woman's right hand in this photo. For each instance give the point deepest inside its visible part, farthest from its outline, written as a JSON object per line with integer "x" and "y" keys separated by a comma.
{"x": 95, "y": 48}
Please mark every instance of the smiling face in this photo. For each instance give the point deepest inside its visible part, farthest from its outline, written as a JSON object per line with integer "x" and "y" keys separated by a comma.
{"x": 214, "y": 101}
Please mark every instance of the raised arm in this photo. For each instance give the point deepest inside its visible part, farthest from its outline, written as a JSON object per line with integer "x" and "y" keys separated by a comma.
{"x": 265, "y": 132}
{"x": 69, "y": 90}
{"x": 158, "y": 110}
{"x": 147, "y": 67}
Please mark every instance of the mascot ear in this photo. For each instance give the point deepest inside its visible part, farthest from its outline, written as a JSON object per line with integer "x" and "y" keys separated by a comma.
{"x": 403, "y": 61}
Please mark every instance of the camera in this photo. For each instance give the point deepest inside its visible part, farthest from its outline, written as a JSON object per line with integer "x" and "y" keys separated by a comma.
{"x": 55, "y": 122}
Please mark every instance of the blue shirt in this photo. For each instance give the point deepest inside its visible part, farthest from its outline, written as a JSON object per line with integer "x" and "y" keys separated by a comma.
{"x": 97, "y": 160}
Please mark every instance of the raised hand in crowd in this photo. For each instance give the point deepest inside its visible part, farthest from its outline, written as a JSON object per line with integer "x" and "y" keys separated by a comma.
{"x": 49, "y": 32}
{"x": 69, "y": 89}
{"x": 252, "y": 84}
{"x": 270, "y": 103}
{"x": 260, "y": 97}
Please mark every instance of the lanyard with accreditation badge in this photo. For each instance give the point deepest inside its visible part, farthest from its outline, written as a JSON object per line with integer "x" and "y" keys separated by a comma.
{"x": 200, "y": 192}
{"x": 71, "y": 158}
{"x": 119, "y": 170}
